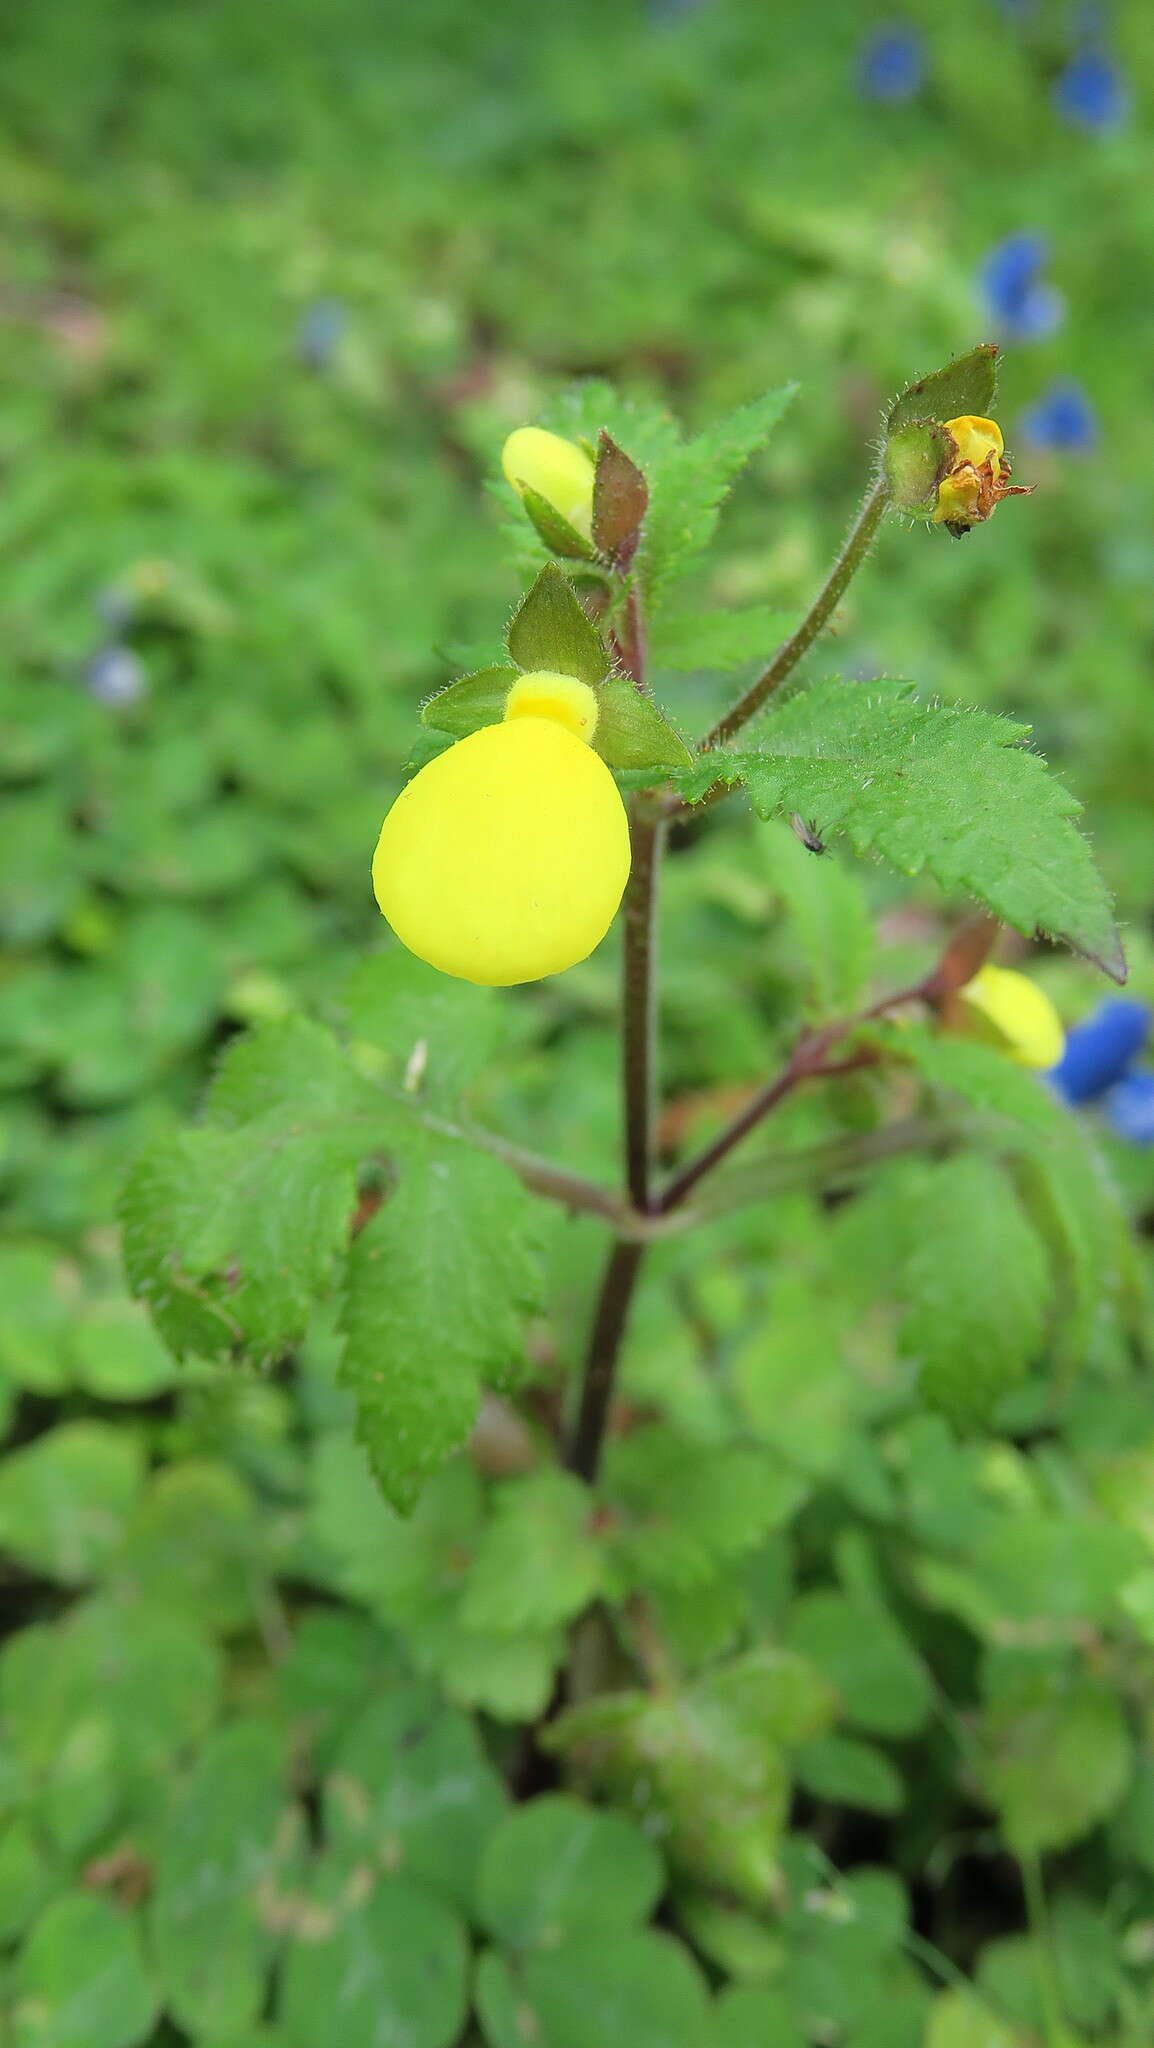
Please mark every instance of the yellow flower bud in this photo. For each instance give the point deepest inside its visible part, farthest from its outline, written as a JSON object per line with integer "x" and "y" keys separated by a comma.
{"x": 505, "y": 858}
{"x": 1008, "y": 1010}
{"x": 979, "y": 479}
{"x": 558, "y": 470}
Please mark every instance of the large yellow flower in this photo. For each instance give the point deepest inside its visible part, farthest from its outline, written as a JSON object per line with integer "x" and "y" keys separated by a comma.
{"x": 1010, "y": 1011}
{"x": 558, "y": 470}
{"x": 505, "y": 858}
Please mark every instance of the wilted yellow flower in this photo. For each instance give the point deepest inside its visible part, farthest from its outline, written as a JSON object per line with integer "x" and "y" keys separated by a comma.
{"x": 979, "y": 478}
{"x": 558, "y": 470}
{"x": 1010, "y": 1011}
{"x": 506, "y": 857}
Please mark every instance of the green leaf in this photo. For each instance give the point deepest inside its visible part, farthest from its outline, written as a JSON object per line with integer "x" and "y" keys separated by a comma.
{"x": 82, "y": 1981}
{"x": 864, "y": 1655}
{"x": 582, "y": 412}
{"x": 1056, "y": 1761}
{"x": 390, "y": 1969}
{"x": 337, "y": 1659}
{"x": 418, "y": 1028}
{"x": 1063, "y": 1569}
{"x": 689, "y": 486}
{"x": 972, "y": 1343}
{"x": 228, "y": 1847}
{"x": 473, "y": 701}
{"x": 718, "y": 640}
{"x": 681, "y": 1509}
{"x": 603, "y": 1990}
{"x": 196, "y": 1544}
{"x": 412, "y": 1792}
{"x": 555, "y": 1869}
{"x": 27, "y": 1877}
{"x": 620, "y": 496}
{"x": 117, "y": 1353}
{"x": 850, "y": 1773}
{"x": 705, "y": 1764}
{"x": 915, "y": 460}
{"x": 538, "y": 1562}
{"x": 554, "y": 529}
{"x": 960, "y": 2019}
{"x": 65, "y": 1500}
{"x": 829, "y": 919}
{"x": 436, "y": 1290}
{"x": 40, "y": 1293}
{"x": 292, "y": 1067}
{"x": 936, "y": 787}
{"x": 965, "y": 385}
{"x": 632, "y": 732}
{"x": 551, "y": 631}
{"x": 747, "y": 2015}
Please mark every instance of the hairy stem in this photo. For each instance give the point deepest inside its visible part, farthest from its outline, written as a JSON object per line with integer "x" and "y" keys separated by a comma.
{"x": 858, "y": 543}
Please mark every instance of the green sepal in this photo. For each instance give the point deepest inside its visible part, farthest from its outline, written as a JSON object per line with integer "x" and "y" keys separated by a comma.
{"x": 476, "y": 700}
{"x": 633, "y": 733}
{"x": 916, "y": 459}
{"x": 620, "y": 499}
{"x": 559, "y": 537}
{"x": 966, "y": 385}
{"x": 549, "y": 630}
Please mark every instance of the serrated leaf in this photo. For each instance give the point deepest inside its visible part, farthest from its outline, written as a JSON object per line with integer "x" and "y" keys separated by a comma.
{"x": 554, "y": 529}
{"x": 469, "y": 703}
{"x": 436, "y": 1289}
{"x": 229, "y": 1846}
{"x": 411, "y": 1791}
{"x": 82, "y": 1980}
{"x": 688, "y": 487}
{"x": 936, "y": 787}
{"x": 648, "y": 430}
{"x": 681, "y": 1509}
{"x": 537, "y": 1563}
{"x": 550, "y": 630}
{"x": 718, "y": 640}
{"x": 433, "y": 1034}
{"x": 595, "y": 1991}
{"x": 292, "y": 1065}
{"x": 556, "y": 1868}
{"x": 632, "y": 732}
{"x": 620, "y": 496}
{"x": 965, "y": 385}
{"x": 972, "y": 1343}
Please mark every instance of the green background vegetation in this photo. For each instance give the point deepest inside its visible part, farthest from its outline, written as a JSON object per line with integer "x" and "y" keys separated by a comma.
{"x": 249, "y": 1718}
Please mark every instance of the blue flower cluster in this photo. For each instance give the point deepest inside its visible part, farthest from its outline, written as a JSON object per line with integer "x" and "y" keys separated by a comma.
{"x": 1097, "y": 1066}
{"x": 1022, "y": 305}
{"x": 891, "y": 65}
{"x": 1062, "y": 418}
{"x": 1092, "y": 92}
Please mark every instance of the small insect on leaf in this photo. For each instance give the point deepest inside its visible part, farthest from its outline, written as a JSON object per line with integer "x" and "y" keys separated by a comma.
{"x": 809, "y": 835}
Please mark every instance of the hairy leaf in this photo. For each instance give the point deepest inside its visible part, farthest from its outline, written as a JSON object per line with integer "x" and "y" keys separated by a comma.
{"x": 688, "y": 488}
{"x": 936, "y": 787}
{"x": 550, "y": 630}
{"x": 966, "y": 385}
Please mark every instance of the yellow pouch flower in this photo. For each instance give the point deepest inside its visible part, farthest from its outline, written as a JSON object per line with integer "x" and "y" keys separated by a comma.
{"x": 558, "y": 470}
{"x": 505, "y": 859}
{"x": 980, "y": 477}
{"x": 1010, "y": 1011}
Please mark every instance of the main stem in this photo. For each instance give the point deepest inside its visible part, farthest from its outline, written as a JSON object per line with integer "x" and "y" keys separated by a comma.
{"x": 858, "y": 543}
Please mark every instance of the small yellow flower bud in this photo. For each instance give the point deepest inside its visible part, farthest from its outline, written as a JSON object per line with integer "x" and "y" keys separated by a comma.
{"x": 506, "y": 857}
{"x": 1009, "y": 1011}
{"x": 544, "y": 694}
{"x": 558, "y": 470}
{"x": 979, "y": 479}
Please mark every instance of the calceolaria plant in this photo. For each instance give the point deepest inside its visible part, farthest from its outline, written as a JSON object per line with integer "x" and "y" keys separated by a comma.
{"x": 611, "y": 1500}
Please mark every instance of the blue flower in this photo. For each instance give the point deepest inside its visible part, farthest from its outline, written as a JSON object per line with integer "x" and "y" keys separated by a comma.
{"x": 1020, "y": 303}
{"x": 1061, "y": 418}
{"x": 1092, "y": 92}
{"x": 1129, "y": 1109}
{"x": 114, "y": 675}
{"x": 319, "y": 332}
{"x": 1099, "y": 1050}
{"x": 891, "y": 65}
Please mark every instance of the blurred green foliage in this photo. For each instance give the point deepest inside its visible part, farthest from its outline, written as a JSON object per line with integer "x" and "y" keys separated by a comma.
{"x": 276, "y": 283}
